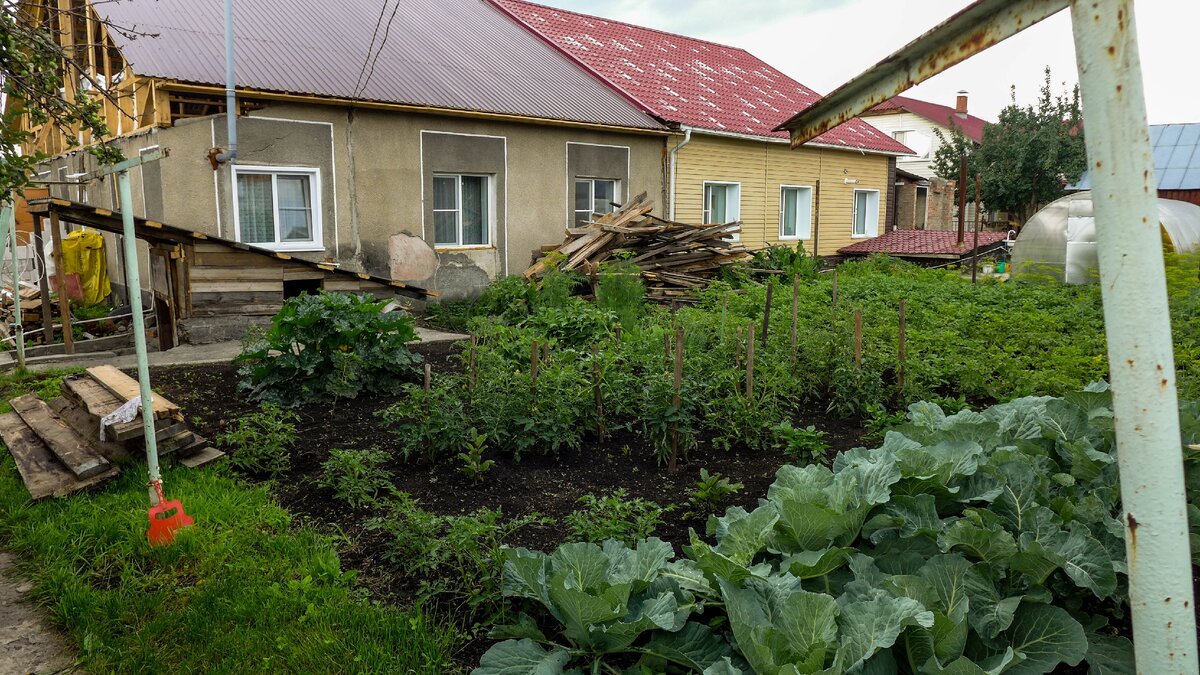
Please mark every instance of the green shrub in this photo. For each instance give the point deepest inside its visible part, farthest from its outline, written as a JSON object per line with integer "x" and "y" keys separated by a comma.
{"x": 615, "y": 516}
{"x": 261, "y": 441}
{"x": 793, "y": 262}
{"x": 429, "y": 425}
{"x": 474, "y": 466}
{"x": 357, "y": 477}
{"x": 710, "y": 492}
{"x": 620, "y": 290}
{"x": 328, "y": 346}
{"x": 458, "y": 560}
{"x": 803, "y": 443}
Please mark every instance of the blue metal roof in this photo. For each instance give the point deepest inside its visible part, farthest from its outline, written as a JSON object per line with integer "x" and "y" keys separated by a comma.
{"x": 1176, "y": 157}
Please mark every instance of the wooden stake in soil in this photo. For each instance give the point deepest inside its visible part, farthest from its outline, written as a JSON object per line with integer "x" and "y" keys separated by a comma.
{"x": 795, "y": 312}
{"x": 767, "y": 311}
{"x": 39, "y": 261}
{"x": 902, "y": 348}
{"x": 533, "y": 364}
{"x": 833, "y": 303}
{"x": 619, "y": 327}
{"x": 737, "y": 349}
{"x": 673, "y": 464}
{"x": 545, "y": 352}
{"x": 60, "y": 275}
{"x": 858, "y": 339}
{"x": 471, "y": 362}
{"x": 750, "y": 362}
{"x": 428, "y": 377}
{"x": 601, "y": 431}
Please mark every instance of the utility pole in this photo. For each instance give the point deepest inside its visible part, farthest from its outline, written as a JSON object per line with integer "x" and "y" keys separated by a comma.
{"x": 133, "y": 286}
{"x": 975, "y": 249}
{"x": 8, "y": 228}
{"x": 962, "y": 196}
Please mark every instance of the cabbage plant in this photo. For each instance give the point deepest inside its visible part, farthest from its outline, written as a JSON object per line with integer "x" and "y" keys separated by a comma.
{"x": 974, "y": 543}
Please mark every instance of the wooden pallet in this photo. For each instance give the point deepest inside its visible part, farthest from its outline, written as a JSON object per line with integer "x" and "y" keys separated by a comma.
{"x": 126, "y": 388}
{"x": 57, "y": 445}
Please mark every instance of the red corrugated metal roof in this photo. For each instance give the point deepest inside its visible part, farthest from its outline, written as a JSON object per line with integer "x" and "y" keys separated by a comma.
{"x": 688, "y": 81}
{"x": 456, "y": 54}
{"x": 971, "y": 125}
{"x": 920, "y": 242}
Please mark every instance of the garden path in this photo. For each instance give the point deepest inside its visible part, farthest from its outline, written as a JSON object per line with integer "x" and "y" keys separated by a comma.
{"x": 27, "y": 642}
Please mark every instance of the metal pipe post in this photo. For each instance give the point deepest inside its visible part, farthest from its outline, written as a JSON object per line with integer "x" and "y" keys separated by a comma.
{"x": 231, "y": 110}
{"x": 133, "y": 286}
{"x": 8, "y": 219}
{"x": 1137, "y": 324}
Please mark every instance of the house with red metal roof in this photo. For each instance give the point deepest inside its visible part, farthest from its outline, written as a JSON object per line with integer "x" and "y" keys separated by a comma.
{"x": 922, "y": 199}
{"x": 728, "y": 163}
{"x": 387, "y": 145}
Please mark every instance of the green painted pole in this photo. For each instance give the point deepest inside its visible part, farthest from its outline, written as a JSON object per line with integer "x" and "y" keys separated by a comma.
{"x": 8, "y": 223}
{"x": 133, "y": 287}
{"x": 1138, "y": 327}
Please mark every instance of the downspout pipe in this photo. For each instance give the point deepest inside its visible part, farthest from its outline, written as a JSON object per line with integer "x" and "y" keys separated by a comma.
{"x": 1138, "y": 327}
{"x": 230, "y": 154}
{"x": 687, "y": 138}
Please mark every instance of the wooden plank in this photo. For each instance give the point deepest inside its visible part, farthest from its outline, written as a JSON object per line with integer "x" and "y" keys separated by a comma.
{"x": 201, "y": 302}
{"x": 126, "y": 388}
{"x": 336, "y": 284}
{"x": 231, "y": 258}
{"x": 261, "y": 309}
{"x": 43, "y": 475}
{"x": 298, "y": 272}
{"x": 70, "y": 448}
{"x": 239, "y": 273}
{"x": 236, "y": 286}
{"x": 199, "y": 459}
{"x": 87, "y": 426}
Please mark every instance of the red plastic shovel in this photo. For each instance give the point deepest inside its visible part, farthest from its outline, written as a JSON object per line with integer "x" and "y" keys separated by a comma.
{"x": 166, "y": 517}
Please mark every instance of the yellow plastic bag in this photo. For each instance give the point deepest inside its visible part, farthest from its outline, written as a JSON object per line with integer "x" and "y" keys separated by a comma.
{"x": 83, "y": 255}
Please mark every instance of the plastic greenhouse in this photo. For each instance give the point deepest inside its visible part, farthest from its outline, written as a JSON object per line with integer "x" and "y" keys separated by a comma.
{"x": 1059, "y": 242}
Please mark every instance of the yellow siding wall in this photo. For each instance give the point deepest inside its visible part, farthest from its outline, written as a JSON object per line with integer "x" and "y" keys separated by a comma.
{"x": 761, "y": 168}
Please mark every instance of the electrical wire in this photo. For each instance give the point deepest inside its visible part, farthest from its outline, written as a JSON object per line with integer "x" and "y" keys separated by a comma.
{"x": 382, "y": 41}
{"x": 374, "y": 34}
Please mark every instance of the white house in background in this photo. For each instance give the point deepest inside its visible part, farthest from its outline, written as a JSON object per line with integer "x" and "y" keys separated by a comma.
{"x": 912, "y": 122}
{"x": 922, "y": 200}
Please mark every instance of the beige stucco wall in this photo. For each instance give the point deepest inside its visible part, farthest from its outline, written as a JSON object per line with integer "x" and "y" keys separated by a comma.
{"x": 762, "y": 167}
{"x": 374, "y": 179}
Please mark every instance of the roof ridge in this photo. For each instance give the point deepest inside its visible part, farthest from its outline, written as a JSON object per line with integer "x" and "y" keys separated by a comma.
{"x": 634, "y": 25}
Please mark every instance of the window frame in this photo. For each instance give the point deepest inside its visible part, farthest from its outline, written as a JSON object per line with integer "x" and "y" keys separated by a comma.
{"x": 705, "y": 211}
{"x": 798, "y": 236}
{"x": 314, "y": 177}
{"x": 489, "y": 228}
{"x": 854, "y": 215}
{"x": 591, "y": 181}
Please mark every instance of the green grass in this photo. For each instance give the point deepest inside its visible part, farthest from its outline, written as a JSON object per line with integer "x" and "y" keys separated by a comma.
{"x": 245, "y": 590}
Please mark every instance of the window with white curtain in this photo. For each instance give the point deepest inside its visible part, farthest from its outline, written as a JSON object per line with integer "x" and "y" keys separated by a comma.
{"x": 866, "y": 213}
{"x": 278, "y": 207}
{"x": 594, "y": 196}
{"x": 795, "y": 212}
{"x": 462, "y": 214}
{"x": 722, "y": 204}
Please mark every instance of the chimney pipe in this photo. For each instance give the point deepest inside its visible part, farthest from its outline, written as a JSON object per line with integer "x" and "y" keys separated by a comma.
{"x": 960, "y": 107}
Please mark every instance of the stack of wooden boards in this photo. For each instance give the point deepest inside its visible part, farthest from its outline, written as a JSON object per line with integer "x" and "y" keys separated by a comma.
{"x": 675, "y": 259}
{"x": 57, "y": 445}
{"x": 31, "y": 308}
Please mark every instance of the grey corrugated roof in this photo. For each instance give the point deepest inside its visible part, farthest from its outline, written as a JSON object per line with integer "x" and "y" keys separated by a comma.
{"x": 457, "y": 54}
{"x": 1176, "y": 157}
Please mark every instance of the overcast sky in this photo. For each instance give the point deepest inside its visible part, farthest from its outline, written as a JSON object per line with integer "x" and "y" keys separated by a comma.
{"x": 823, "y": 43}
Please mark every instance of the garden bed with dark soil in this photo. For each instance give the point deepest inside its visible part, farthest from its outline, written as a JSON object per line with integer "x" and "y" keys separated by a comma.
{"x": 545, "y": 485}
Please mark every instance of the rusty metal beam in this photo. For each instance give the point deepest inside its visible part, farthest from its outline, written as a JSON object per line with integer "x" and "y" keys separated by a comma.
{"x": 974, "y": 29}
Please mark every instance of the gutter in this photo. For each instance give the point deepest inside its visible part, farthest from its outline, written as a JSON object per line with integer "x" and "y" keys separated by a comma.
{"x": 687, "y": 138}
